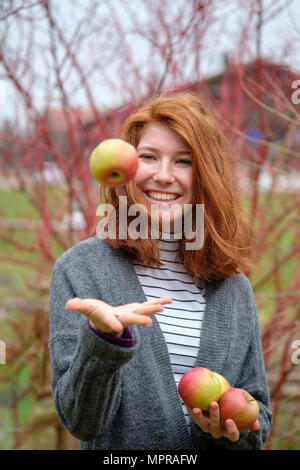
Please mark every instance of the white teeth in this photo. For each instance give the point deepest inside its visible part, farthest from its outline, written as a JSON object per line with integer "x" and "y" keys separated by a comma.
{"x": 162, "y": 196}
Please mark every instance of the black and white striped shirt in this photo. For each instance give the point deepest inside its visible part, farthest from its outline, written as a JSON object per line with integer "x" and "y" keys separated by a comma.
{"x": 180, "y": 321}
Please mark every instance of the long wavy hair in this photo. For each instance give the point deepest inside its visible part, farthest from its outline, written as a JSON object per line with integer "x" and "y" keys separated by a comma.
{"x": 227, "y": 246}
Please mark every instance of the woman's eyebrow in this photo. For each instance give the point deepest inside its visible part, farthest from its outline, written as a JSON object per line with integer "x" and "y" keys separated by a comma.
{"x": 153, "y": 149}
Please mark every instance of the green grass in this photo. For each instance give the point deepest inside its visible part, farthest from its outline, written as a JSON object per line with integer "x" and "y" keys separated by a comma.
{"x": 279, "y": 242}
{"x": 14, "y": 274}
{"x": 16, "y": 204}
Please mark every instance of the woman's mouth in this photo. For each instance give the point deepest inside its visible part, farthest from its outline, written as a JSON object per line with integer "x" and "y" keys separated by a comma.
{"x": 162, "y": 197}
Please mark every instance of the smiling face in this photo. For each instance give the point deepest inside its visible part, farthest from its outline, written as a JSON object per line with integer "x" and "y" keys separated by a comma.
{"x": 164, "y": 174}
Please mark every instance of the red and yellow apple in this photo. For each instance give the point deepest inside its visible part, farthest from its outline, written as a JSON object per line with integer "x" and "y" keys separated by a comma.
{"x": 199, "y": 387}
{"x": 237, "y": 404}
{"x": 114, "y": 162}
{"x": 225, "y": 385}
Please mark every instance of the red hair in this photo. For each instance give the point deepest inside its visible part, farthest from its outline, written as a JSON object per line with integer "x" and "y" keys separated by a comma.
{"x": 227, "y": 234}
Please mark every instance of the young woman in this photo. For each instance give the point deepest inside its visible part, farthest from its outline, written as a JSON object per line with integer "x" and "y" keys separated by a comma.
{"x": 130, "y": 315}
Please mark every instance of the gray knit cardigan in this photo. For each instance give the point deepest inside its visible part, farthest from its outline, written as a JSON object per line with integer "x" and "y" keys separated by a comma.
{"x": 111, "y": 397}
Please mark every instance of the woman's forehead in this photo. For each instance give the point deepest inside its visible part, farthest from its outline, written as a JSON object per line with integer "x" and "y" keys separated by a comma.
{"x": 160, "y": 133}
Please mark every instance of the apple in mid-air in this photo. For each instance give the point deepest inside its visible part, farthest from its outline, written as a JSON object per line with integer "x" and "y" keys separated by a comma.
{"x": 199, "y": 387}
{"x": 237, "y": 404}
{"x": 114, "y": 162}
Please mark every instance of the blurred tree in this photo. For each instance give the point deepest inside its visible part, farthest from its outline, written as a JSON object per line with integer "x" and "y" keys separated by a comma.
{"x": 75, "y": 71}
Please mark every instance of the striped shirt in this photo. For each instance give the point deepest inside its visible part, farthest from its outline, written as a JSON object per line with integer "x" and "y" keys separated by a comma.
{"x": 180, "y": 321}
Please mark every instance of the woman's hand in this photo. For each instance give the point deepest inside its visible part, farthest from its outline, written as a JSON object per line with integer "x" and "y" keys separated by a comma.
{"x": 210, "y": 422}
{"x": 108, "y": 319}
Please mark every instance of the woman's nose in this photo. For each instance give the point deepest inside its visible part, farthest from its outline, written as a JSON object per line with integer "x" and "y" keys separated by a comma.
{"x": 163, "y": 173}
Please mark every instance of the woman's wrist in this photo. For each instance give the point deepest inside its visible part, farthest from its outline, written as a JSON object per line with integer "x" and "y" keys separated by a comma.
{"x": 118, "y": 335}
{"x": 127, "y": 339}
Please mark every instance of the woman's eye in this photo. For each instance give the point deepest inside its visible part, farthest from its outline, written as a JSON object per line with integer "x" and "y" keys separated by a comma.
{"x": 184, "y": 161}
{"x": 147, "y": 157}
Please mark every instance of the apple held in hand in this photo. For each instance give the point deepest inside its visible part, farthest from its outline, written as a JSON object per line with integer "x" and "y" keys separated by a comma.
{"x": 199, "y": 387}
{"x": 239, "y": 405}
{"x": 114, "y": 162}
{"x": 225, "y": 385}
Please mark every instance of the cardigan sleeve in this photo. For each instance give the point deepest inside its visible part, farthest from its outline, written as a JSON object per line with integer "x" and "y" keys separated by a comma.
{"x": 86, "y": 369}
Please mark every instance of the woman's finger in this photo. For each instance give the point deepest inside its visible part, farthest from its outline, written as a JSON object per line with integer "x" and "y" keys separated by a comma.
{"x": 215, "y": 425}
{"x": 75, "y": 304}
{"x": 148, "y": 309}
{"x": 255, "y": 426}
{"x": 199, "y": 418}
{"x": 129, "y": 318}
{"x": 162, "y": 300}
{"x": 85, "y": 306}
{"x": 232, "y": 430}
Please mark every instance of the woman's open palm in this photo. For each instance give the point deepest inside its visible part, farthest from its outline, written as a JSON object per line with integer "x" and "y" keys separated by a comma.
{"x": 110, "y": 319}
